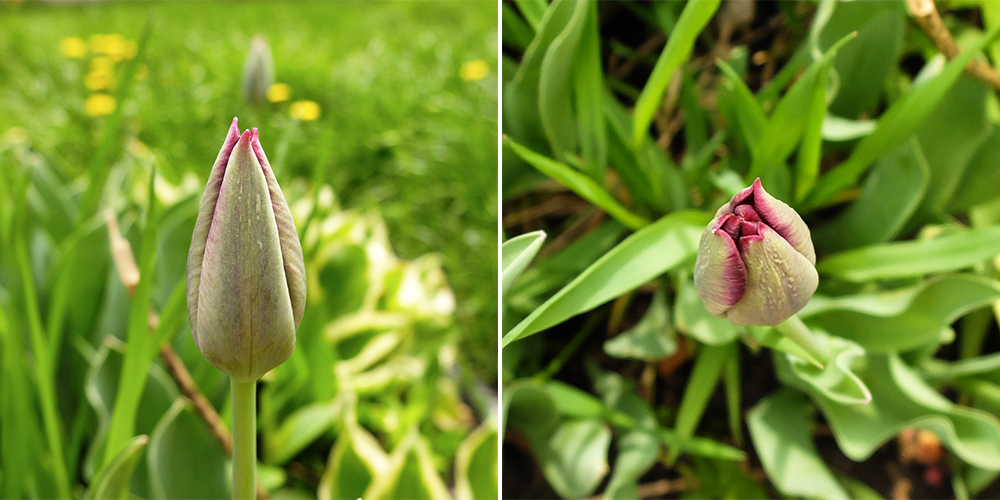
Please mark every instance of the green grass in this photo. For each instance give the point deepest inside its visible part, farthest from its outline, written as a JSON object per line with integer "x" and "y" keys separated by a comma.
{"x": 407, "y": 137}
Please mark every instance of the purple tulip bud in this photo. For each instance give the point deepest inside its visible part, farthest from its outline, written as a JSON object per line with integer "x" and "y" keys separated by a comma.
{"x": 246, "y": 284}
{"x": 756, "y": 262}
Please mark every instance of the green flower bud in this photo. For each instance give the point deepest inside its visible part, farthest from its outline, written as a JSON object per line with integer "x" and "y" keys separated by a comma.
{"x": 258, "y": 72}
{"x": 246, "y": 281}
{"x": 756, "y": 262}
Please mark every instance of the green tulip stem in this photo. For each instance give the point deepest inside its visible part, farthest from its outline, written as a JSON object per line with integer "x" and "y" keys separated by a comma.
{"x": 798, "y": 332}
{"x": 244, "y": 439}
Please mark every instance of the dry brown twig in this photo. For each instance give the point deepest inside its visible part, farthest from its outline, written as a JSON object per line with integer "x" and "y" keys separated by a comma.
{"x": 128, "y": 271}
{"x": 927, "y": 16}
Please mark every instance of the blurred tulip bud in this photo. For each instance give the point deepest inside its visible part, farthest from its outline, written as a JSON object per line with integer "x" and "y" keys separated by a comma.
{"x": 246, "y": 284}
{"x": 756, "y": 261}
{"x": 258, "y": 73}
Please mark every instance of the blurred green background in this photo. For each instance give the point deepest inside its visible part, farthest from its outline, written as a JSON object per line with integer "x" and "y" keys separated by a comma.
{"x": 382, "y": 132}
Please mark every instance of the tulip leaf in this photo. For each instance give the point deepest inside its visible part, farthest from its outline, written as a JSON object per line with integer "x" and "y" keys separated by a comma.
{"x": 579, "y": 184}
{"x": 355, "y": 460}
{"x": 588, "y": 88}
{"x": 637, "y": 448}
{"x": 900, "y": 398}
{"x": 914, "y": 258}
{"x": 700, "y": 387}
{"x": 410, "y": 474}
{"x": 981, "y": 176}
{"x": 650, "y": 339}
{"x": 555, "y": 97}
{"x": 517, "y": 253}
{"x": 113, "y": 481}
{"x": 889, "y": 197}
{"x": 179, "y": 445}
{"x": 302, "y": 427}
{"x": 693, "y": 20}
{"x": 937, "y": 304}
{"x": 527, "y": 404}
{"x": 769, "y": 337}
{"x": 782, "y": 434}
{"x": 837, "y": 380}
{"x": 573, "y": 455}
{"x": 476, "y": 468}
{"x": 638, "y": 259}
{"x": 895, "y": 126}
{"x": 695, "y": 321}
{"x": 838, "y": 129}
{"x": 749, "y": 114}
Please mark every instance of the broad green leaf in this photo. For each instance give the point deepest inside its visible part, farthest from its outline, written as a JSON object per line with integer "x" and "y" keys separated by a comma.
{"x": 532, "y": 10}
{"x": 356, "y": 458}
{"x": 838, "y": 380}
{"x": 900, "y": 398}
{"x": 579, "y": 184}
{"x": 516, "y": 254}
{"x": 950, "y": 137}
{"x": 693, "y": 20}
{"x": 19, "y": 430}
{"x": 514, "y": 30}
{"x": 982, "y": 176}
{"x": 643, "y": 256}
{"x": 410, "y": 474}
{"x": 695, "y": 321}
{"x": 171, "y": 318}
{"x": 179, "y": 446}
{"x": 810, "y": 150}
{"x": 527, "y": 404}
{"x": 837, "y": 129}
{"x": 633, "y": 167}
{"x": 889, "y": 197}
{"x": 650, "y": 339}
{"x": 588, "y": 88}
{"x": 298, "y": 430}
{"x": 555, "y": 84}
{"x": 695, "y": 132}
{"x": 865, "y": 64}
{"x": 769, "y": 337}
{"x": 476, "y": 468}
{"x": 637, "y": 451}
{"x": 701, "y": 385}
{"x": 113, "y": 481}
{"x": 782, "y": 434}
{"x": 895, "y": 126}
{"x": 913, "y": 258}
{"x": 937, "y": 304}
{"x": 722, "y": 479}
{"x": 573, "y": 455}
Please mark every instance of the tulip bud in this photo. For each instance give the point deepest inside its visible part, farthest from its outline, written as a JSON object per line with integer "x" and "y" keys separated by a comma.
{"x": 246, "y": 285}
{"x": 258, "y": 72}
{"x": 756, "y": 262}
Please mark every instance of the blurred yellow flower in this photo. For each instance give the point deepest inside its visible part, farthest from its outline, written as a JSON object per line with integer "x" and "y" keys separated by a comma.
{"x": 99, "y": 105}
{"x": 97, "y": 80}
{"x": 103, "y": 65}
{"x": 114, "y": 45}
{"x": 304, "y": 110}
{"x": 73, "y": 47}
{"x": 279, "y": 92}
{"x": 474, "y": 70}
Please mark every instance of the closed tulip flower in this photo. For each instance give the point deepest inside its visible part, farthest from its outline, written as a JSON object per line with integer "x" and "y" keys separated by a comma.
{"x": 246, "y": 285}
{"x": 756, "y": 262}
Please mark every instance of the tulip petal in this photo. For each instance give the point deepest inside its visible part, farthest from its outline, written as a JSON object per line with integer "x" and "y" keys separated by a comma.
{"x": 720, "y": 277}
{"x": 291, "y": 248}
{"x": 780, "y": 280}
{"x": 244, "y": 310}
{"x": 206, "y": 213}
{"x": 784, "y": 220}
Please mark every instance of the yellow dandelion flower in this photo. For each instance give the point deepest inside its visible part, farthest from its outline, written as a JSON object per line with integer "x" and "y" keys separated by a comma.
{"x": 114, "y": 45}
{"x": 279, "y": 92}
{"x": 474, "y": 70}
{"x": 103, "y": 65}
{"x": 99, "y": 105}
{"x": 96, "y": 80}
{"x": 304, "y": 110}
{"x": 73, "y": 47}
